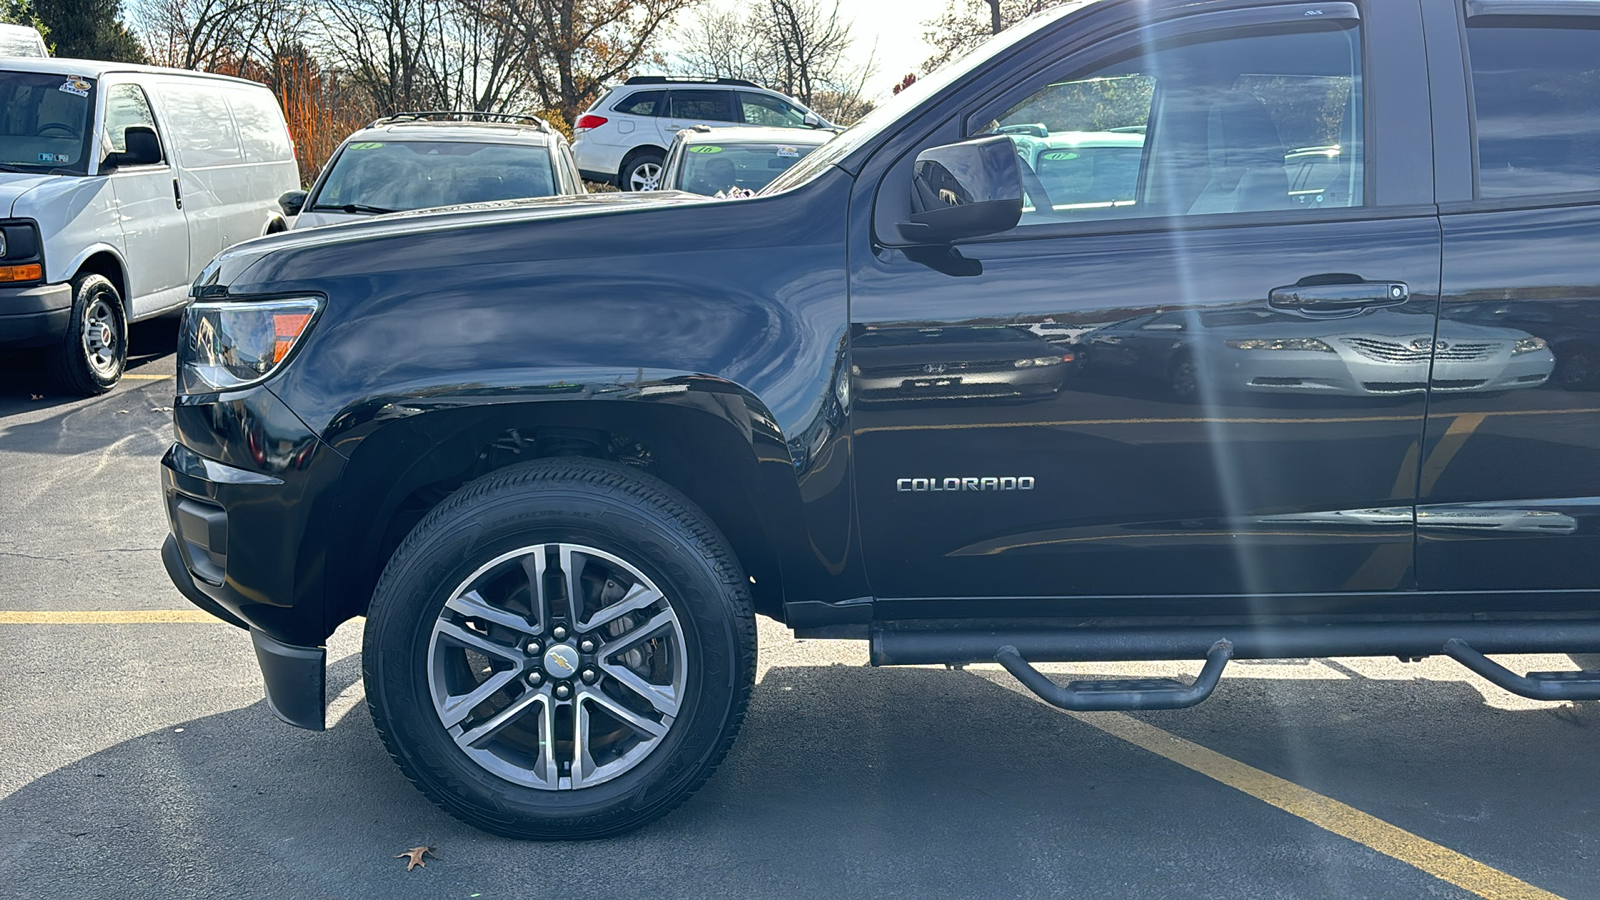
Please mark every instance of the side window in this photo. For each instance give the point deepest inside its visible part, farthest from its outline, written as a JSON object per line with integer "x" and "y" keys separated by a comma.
{"x": 643, "y": 103}
{"x": 702, "y": 106}
{"x": 261, "y": 129}
{"x": 760, "y": 109}
{"x": 126, "y": 106}
{"x": 1246, "y": 122}
{"x": 1536, "y": 98}
{"x": 202, "y": 130}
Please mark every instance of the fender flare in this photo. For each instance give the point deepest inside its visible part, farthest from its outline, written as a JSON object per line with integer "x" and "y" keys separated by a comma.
{"x": 71, "y": 268}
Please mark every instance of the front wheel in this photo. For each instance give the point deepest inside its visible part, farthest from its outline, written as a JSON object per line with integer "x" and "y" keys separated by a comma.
{"x": 94, "y": 351}
{"x": 563, "y": 649}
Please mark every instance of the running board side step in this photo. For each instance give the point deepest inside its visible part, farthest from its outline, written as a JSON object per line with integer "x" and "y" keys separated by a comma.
{"x": 1122, "y": 694}
{"x": 1534, "y": 685}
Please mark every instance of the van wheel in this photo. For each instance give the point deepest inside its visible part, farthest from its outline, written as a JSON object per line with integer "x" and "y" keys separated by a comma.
{"x": 94, "y": 351}
{"x": 642, "y": 173}
{"x": 563, "y": 649}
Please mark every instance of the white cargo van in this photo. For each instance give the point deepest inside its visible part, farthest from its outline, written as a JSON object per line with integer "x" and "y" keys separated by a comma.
{"x": 118, "y": 183}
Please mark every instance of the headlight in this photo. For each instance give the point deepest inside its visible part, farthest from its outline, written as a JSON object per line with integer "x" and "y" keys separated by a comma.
{"x": 230, "y": 345}
{"x": 1528, "y": 345}
{"x": 1037, "y": 361}
{"x": 1311, "y": 344}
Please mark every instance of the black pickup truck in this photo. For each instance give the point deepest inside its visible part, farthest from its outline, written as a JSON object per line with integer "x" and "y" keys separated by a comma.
{"x": 1153, "y": 329}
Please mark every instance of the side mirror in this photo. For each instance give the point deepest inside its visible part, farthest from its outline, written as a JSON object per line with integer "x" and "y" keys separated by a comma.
{"x": 144, "y": 148}
{"x": 292, "y": 202}
{"x": 965, "y": 190}
{"x": 812, "y": 120}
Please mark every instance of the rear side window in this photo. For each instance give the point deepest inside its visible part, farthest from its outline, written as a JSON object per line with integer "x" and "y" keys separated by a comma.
{"x": 703, "y": 106}
{"x": 644, "y": 103}
{"x": 1536, "y": 97}
{"x": 200, "y": 125}
{"x": 261, "y": 130}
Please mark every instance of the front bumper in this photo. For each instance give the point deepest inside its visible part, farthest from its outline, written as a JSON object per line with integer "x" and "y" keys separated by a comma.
{"x": 33, "y": 316}
{"x": 246, "y": 490}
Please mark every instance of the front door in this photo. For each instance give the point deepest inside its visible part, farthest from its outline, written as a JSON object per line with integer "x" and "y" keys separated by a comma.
{"x": 1198, "y": 366}
{"x": 154, "y": 234}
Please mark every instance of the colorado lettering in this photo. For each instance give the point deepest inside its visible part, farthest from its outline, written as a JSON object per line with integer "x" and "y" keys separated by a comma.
{"x": 987, "y": 483}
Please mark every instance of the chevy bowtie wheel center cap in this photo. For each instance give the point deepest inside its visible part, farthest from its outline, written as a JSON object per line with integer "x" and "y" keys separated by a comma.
{"x": 561, "y": 660}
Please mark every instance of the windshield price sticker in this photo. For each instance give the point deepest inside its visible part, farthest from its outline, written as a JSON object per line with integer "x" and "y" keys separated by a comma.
{"x": 54, "y": 158}
{"x": 705, "y": 148}
{"x": 76, "y": 84}
{"x": 788, "y": 151}
{"x": 367, "y": 145}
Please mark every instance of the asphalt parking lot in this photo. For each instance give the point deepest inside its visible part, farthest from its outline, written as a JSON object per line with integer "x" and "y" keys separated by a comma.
{"x": 137, "y": 758}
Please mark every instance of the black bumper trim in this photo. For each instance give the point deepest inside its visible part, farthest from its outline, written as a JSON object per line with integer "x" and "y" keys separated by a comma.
{"x": 294, "y": 681}
{"x": 183, "y": 580}
{"x": 34, "y": 315}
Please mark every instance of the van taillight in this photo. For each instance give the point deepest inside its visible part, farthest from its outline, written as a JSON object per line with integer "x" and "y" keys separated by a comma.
{"x": 586, "y": 122}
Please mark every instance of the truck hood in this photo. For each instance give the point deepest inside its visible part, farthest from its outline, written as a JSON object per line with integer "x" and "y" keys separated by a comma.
{"x": 227, "y": 268}
{"x": 14, "y": 184}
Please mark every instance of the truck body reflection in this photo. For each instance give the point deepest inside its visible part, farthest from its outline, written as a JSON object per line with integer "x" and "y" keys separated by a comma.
{"x": 956, "y": 363}
{"x": 1267, "y": 352}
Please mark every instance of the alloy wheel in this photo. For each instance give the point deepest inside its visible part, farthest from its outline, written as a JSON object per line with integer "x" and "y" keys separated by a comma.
{"x": 557, "y": 666}
{"x": 645, "y": 177}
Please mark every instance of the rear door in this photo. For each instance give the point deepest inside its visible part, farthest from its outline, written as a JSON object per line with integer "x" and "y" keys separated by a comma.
{"x": 1192, "y": 419}
{"x": 1510, "y": 482}
{"x": 688, "y": 107}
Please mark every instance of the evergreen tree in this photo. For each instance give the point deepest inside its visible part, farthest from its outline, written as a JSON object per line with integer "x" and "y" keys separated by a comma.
{"x": 80, "y": 29}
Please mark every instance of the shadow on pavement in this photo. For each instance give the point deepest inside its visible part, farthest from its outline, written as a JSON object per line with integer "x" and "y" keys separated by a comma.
{"x": 22, "y": 378}
{"x": 849, "y": 782}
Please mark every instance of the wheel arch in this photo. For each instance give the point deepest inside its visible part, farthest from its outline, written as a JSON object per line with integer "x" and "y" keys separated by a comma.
{"x": 103, "y": 259}
{"x": 635, "y": 153}
{"x": 400, "y": 472}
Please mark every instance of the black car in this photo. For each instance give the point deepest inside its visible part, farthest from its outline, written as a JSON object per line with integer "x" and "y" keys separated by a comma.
{"x": 559, "y": 453}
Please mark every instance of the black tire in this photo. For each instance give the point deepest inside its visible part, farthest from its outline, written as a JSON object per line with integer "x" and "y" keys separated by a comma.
{"x": 601, "y": 505}
{"x": 626, "y": 179}
{"x": 94, "y": 351}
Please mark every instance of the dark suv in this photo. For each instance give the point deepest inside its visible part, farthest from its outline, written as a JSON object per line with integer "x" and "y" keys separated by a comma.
{"x": 559, "y": 453}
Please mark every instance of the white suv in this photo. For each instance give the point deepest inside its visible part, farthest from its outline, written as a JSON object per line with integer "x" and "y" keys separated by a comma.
{"x": 622, "y": 138}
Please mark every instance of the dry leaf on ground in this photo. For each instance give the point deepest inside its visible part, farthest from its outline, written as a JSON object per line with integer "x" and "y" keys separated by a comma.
{"x": 413, "y": 857}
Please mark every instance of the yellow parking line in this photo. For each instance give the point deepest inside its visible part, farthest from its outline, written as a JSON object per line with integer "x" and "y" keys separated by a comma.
{"x": 109, "y": 617}
{"x": 129, "y": 376}
{"x": 1324, "y": 812}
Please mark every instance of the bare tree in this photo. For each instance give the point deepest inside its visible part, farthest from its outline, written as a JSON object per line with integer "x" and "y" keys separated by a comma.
{"x": 574, "y": 47}
{"x": 220, "y": 34}
{"x": 799, "y": 47}
{"x": 965, "y": 24}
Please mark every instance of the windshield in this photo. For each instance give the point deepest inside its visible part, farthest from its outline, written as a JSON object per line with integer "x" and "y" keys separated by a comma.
{"x": 709, "y": 168}
{"x": 388, "y": 176}
{"x": 922, "y": 90}
{"x": 44, "y": 121}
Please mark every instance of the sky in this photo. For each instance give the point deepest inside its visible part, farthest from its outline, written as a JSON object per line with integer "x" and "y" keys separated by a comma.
{"x": 893, "y": 27}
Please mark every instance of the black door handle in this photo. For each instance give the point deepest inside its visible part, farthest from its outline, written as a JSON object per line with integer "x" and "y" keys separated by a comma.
{"x": 177, "y": 195}
{"x": 1345, "y": 298}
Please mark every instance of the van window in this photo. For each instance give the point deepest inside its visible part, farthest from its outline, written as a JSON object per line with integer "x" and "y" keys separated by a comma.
{"x": 261, "y": 128}
{"x": 21, "y": 40}
{"x": 44, "y": 120}
{"x": 200, "y": 125}
{"x": 644, "y": 103}
{"x": 1536, "y": 93}
{"x": 126, "y": 106}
